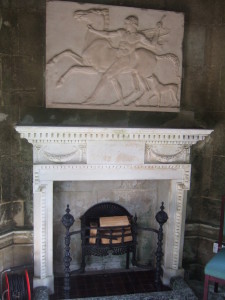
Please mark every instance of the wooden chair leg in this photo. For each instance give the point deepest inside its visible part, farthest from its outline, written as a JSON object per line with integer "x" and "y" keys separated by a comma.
{"x": 206, "y": 286}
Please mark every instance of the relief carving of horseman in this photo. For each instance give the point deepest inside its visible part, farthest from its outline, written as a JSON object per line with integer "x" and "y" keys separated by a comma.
{"x": 126, "y": 50}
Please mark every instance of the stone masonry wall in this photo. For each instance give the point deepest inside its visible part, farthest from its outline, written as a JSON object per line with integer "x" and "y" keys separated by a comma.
{"x": 22, "y": 101}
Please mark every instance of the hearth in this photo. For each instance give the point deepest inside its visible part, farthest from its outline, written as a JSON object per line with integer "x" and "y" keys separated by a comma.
{"x": 77, "y": 154}
{"x": 123, "y": 284}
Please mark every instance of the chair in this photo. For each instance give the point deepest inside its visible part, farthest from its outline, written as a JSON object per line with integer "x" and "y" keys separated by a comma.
{"x": 215, "y": 268}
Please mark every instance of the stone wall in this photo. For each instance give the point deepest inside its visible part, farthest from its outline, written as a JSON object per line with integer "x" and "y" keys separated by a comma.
{"x": 22, "y": 101}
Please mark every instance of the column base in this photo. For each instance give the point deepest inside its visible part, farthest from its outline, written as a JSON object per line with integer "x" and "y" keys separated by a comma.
{"x": 47, "y": 281}
{"x": 169, "y": 273}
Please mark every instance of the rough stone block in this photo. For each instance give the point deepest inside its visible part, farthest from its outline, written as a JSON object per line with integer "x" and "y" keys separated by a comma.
{"x": 31, "y": 33}
{"x": 9, "y": 42}
{"x": 5, "y": 140}
{"x": 22, "y": 255}
{"x": 217, "y": 8}
{"x": 218, "y": 139}
{"x": 216, "y": 46}
{"x": 222, "y": 87}
{"x": 190, "y": 250}
{"x": 23, "y": 237}
{"x": 194, "y": 88}
{"x": 6, "y": 220}
{"x": 27, "y": 73}
{"x": 198, "y": 12}
{"x": 30, "y": 4}
{"x": 1, "y": 96}
{"x": 26, "y": 153}
{"x": 7, "y": 70}
{"x": 196, "y": 173}
{"x": 210, "y": 211}
{"x": 217, "y": 188}
{"x": 10, "y": 112}
{"x": 193, "y": 209}
{"x": 21, "y": 185}
{"x": 18, "y": 212}
{"x": 212, "y": 99}
{"x": 1, "y": 259}
{"x": 205, "y": 252}
{"x": 195, "y": 48}
{"x": 5, "y": 181}
{"x": 206, "y": 178}
{"x": 7, "y": 254}
{"x": 22, "y": 98}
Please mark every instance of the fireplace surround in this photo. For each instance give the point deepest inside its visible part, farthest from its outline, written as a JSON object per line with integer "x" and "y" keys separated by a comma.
{"x": 89, "y": 153}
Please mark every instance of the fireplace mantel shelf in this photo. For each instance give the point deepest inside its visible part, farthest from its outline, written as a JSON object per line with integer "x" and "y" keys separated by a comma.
{"x": 56, "y": 134}
{"x": 92, "y": 154}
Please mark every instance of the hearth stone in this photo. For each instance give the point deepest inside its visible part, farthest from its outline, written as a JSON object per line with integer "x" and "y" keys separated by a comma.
{"x": 180, "y": 291}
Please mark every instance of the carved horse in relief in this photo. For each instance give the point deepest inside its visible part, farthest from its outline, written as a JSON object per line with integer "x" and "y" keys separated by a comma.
{"x": 111, "y": 53}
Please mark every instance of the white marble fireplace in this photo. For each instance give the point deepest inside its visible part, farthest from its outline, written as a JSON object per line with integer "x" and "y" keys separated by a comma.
{"x": 88, "y": 153}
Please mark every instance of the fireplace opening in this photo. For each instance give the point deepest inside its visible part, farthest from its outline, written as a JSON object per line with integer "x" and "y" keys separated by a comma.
{"x": 108, "y": 230}
{"x": 140, "y": 197}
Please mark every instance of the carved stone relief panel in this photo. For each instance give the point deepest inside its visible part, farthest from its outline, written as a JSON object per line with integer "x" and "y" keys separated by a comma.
{"x": 109, "y": 57}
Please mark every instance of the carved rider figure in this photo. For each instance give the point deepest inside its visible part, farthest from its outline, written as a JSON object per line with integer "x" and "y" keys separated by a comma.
{"x": 128, "y": 40}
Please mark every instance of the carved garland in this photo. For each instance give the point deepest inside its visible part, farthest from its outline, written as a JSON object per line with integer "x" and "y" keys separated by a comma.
{"x": 152, "y": 154}
{"x": 60, "y": 157}
{"x": 42, "y": 151}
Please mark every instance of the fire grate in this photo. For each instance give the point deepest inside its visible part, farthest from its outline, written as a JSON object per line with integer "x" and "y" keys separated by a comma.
{"x": 117, "y": 240}
{"x": 108, "y": 237}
